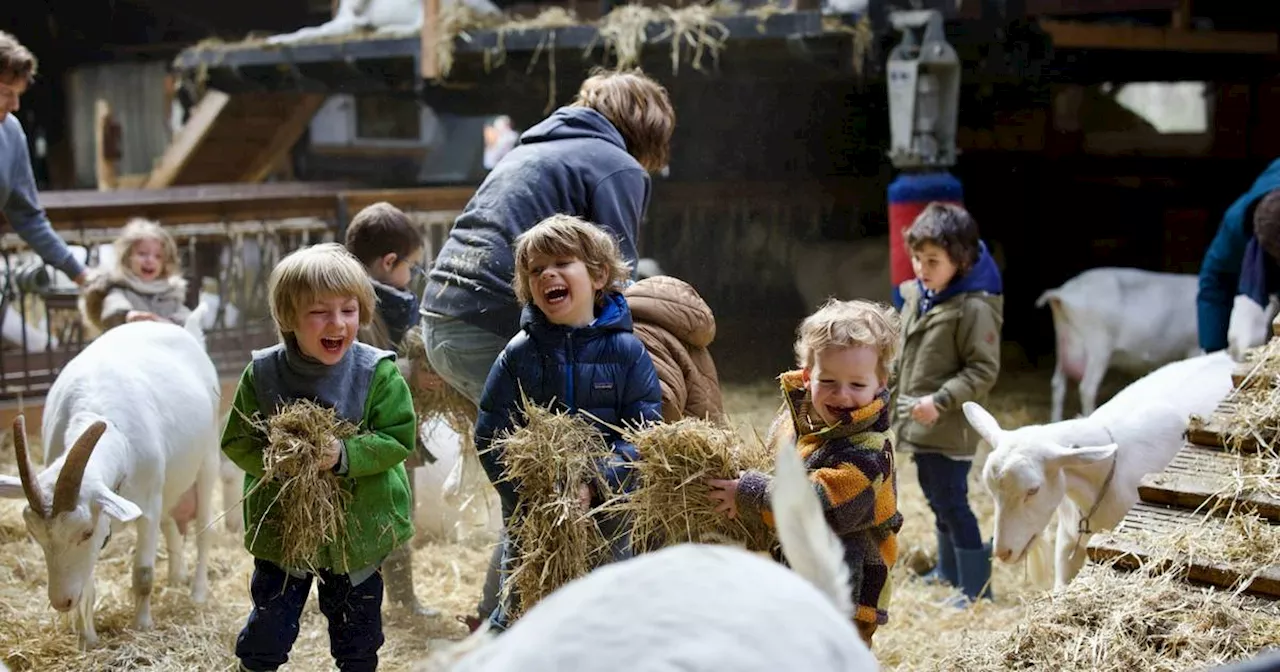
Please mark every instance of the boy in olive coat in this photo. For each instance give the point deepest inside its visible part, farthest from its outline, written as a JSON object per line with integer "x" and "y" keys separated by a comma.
{"x": 951, "y": 319}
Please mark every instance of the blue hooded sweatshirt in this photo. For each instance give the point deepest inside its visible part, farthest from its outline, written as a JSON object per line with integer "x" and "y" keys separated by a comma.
{"x": 1220, "y": 272}
{"x": 983, "y": 277}
{"x": 573, "y": 162}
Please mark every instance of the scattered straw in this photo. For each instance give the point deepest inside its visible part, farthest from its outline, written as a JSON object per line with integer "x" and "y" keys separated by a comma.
{"x": 1255, "y": 418}
{"x": 625, "y": 31}
{"x": 1109, "y": 621}
{"x": 310, "y": 510}
{"x": 1244, "y": 542}
{"x": 555, "y": 539}
{"x": 671, "y": 503}
{"x": 439, "y": 399}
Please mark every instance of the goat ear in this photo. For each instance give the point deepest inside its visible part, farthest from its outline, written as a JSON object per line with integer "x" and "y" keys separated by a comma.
{"x": 116, "y": 506}
{"x": 1067, "y": 456}
{"x": 11, "y": 488}
{"x": 982, "y": 422}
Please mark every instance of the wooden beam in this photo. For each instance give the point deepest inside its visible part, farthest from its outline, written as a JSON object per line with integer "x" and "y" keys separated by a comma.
{"x": 1038, "y": 7}
{"x": 1182, "y": 16}
{"x": 188, "y": 139}
{"x": 1081, "y": 35}
{"x": 285, "y": 136}
{"x": 429, "y": 61}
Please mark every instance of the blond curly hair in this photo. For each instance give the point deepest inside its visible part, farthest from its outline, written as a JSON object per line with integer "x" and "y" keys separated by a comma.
{"x": 845, "y": 324}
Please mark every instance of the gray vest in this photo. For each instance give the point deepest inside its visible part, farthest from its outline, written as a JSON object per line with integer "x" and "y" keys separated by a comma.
{"x": 282, "y": 374}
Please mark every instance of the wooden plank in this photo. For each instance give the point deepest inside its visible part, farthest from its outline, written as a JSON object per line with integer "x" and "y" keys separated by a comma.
{"x": 428, "y": 59}
{"x": 285, "y": 137}
{"x": 1240, "y": 372}
{"x": 1082, "y": 35}
{"x": 189, "y": 139}
{"x": 1195, "y": 492}
{"x": 1212, "y": 432}
{"x": 1126, "y": 548}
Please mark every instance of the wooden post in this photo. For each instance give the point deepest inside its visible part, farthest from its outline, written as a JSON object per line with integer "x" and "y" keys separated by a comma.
{"x": 430, "y": 61}
{"x": 1182, "y": 16}
{"x": 106, "y": 146}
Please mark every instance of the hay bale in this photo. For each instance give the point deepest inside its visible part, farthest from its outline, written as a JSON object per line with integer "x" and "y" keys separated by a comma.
{"x": 310, "y": 510}
{"x": 554, "y": 540}
{"x": 1109, "y": 621}
{"x": 671, "y": 503}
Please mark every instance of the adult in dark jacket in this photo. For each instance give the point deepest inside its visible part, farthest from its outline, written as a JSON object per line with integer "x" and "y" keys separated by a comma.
{"x": 590, "y": 159}
{"x": 575, "y": 350}
{"x": 1239, "y": 240}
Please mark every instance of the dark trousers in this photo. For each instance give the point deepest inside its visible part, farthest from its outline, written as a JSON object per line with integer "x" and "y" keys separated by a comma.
{"x": 946, "y": 486}
{"x": 354, "y": 614}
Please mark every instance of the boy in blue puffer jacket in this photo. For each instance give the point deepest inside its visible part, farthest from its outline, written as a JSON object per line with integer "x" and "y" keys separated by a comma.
{"x": 575, "y": 348}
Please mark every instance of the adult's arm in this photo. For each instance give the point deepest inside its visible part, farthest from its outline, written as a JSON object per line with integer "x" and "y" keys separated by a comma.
{"x": 1219, "y": 279}
{"x": 29, "y": 220}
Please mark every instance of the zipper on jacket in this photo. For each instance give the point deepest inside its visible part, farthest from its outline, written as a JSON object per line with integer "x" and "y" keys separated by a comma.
{"x": 569, "y": 399}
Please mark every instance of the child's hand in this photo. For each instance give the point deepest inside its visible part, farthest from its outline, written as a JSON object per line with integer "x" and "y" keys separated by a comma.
{"x": 726, "y": 494}
{"x": 924, "y": 412}
{"x": 584, "y": 496}
{"x": 330, "y": 456}
{"x": 140, "y": 316}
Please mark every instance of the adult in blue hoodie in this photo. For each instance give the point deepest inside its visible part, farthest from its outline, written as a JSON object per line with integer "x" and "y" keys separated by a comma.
{"x": 1223, "y": 272}
{"x": 18, "y": 197}
{"x": 591, "y": 159}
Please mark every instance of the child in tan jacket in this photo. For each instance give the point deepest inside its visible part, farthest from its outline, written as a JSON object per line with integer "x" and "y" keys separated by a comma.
{"x": 145, "y": 284}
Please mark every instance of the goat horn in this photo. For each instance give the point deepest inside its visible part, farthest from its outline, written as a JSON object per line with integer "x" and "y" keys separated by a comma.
{"x": 66, "y": 493}
{"x": 25, "y": 474}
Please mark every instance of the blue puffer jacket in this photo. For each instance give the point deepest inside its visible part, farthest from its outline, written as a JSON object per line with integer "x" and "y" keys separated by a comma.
{"x": 1221, "y": 269}
{"x": 601, "y": 369}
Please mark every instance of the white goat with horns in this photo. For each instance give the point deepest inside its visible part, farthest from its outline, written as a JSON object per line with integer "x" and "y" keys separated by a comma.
{"x": 140, "y": 407}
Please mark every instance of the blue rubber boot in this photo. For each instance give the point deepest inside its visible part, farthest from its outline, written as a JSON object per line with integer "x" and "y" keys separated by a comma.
{"x": 975, "y": 572}
{"x": 944, "y": 571}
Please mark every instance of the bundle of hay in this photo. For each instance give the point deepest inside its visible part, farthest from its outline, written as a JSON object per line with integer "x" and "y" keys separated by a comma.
{"x": 671, "y": 504}
{"x": 1255, "y": 420}
{"x": 441, "y": 400}
{"x": 555, "y": 540}
{"x": 1109, "y": 621}
{"x": 311, "y": 509}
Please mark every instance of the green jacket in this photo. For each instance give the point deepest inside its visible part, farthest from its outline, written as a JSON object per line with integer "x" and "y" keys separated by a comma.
{"x": 952, "y": 352}
{"x": 379, "y": 517}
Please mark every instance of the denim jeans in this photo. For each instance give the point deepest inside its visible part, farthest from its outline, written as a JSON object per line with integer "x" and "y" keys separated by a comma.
{"x": 463, "y": 354}
{"x": 354, "y": 614}
{"x": 945, "y": 482}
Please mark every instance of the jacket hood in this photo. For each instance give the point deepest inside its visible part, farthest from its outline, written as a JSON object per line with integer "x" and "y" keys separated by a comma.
{"x": 573, "y": 122}
{"x": 983, "y": 277}
{"x": 674, "y": 305}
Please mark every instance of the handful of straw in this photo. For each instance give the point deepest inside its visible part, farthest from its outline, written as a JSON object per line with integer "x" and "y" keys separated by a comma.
{"x": 672, "y": 503}
{"x": 311, "y": 506}
{"x": 440, "y": 400}
{"x": 554, "y": 539}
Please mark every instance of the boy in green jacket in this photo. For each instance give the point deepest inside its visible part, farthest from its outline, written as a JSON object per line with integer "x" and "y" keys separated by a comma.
{"x": 320, "y": 296}
{"x": 951, "y": 319}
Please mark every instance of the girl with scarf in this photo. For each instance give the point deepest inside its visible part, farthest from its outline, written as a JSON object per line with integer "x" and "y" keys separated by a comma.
{"x": 145, "y": 284}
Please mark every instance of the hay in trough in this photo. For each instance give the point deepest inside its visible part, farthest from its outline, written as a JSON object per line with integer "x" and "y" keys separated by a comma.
{"x": 625, "y": 31}
{"x": 1255, "y": 417}
{"x": 671, "y": 503}
{"x": 310, "y": 510}
{"x": 1110, "y": 621}
{"x": 555, "y": 539}
{"x": 1245, "y": 542}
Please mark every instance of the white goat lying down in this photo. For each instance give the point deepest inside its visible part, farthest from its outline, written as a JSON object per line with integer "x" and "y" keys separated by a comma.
{"x": 699, "y": 606}
{"x": 139, "y": 408}
{"x": 1090, "y": 467}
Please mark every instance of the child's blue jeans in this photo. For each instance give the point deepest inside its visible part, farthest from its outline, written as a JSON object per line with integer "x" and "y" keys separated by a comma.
{"x": 945, "y": 482}
{"x": 354, "y": 614}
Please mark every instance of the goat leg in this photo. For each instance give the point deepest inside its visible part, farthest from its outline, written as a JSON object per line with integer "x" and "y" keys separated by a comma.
{"x": 144, "y": 567}
{"x": 206, "y": 481}
{"x": 174, "y": 542}
{"x": 84, "y": 616}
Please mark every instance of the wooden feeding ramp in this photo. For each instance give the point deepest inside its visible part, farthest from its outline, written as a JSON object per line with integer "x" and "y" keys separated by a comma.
{"x": 1215, "y": 510}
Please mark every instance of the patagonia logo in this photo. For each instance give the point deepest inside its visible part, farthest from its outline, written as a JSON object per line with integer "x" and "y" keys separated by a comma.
{"x": 607, "y": 385}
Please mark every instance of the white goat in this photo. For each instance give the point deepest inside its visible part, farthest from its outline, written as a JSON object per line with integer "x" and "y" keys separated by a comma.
{"x": 1122, "y": 318}
{"x": 384, "y": 17}
{"x": 699, "y": 606}
{"x": 1250, "y": 324}
{"x": 140, "y": 405}
{"x": 1088, "y": 469}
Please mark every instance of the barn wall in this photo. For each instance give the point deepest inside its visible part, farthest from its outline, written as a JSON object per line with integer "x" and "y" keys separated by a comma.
{"x": 136, "y": 93}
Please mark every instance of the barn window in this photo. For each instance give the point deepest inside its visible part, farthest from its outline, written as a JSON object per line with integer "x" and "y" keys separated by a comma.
{"x": 1171, "y": 107}
{"x": 387, "y": 118}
